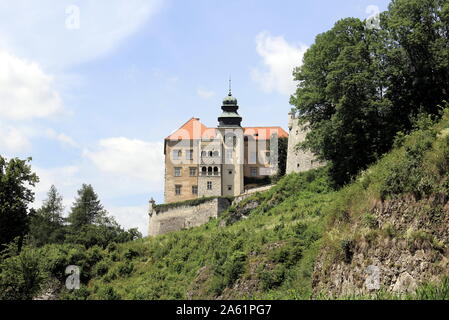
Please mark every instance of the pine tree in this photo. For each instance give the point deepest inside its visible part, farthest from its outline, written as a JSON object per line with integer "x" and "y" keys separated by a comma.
{"x": 46, "y": 224}
{"x": 87, "y": 209}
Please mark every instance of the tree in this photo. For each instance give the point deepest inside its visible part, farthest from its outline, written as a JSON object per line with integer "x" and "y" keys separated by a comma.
{"x": 358, "y": 87}
{"x": 46, "y": 224}
{"x": 341, "y": 96}
{"x": 16, "y": 180}
{"x": 90, "y": 224}
{"x": 417, "y": 39}
{"x": 87, "y": 209}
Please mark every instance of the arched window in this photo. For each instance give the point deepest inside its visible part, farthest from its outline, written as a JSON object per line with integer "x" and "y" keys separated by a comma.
{"x": 216, "y": 171}
{"x": 211, "y": 154}
{"x": 209, "y": 171}
{"x": 203, "y": 171}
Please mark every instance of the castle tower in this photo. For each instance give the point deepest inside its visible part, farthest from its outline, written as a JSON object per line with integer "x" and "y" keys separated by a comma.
{"x": 299, "y": 160}
{"x": 232, "y": 136}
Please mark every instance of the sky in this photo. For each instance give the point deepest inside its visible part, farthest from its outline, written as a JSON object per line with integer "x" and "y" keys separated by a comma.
{"x": 90, "y": 88}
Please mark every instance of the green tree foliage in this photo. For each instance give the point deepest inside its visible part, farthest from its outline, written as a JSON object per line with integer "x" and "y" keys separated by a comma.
{"x": 90, "y": 224}
{"x": 16, "y": 180}
{"x": 46, "y": 225}
{"x": 87, "y": 209}
{"x": 360, "y": 86}
{"x": 21, "y": 276}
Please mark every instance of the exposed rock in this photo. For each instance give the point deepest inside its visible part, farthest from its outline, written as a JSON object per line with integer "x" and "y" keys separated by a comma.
{"x": 405, "y": 259}
{"x": 405, "y": 284}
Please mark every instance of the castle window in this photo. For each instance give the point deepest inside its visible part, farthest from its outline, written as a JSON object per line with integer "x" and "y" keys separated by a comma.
{"x": 211, "y": 154}
{"x": 178, "y": 189}
{"x": 209, "y": 171}
{"x": 254, "y": 172}
{"x": 203, "y": 154}
{"x": 177, "y": 154}
{"x": 193, "y": 172}
{"x": 268, "y": 157}
{"x": 229, "y": 154}
{"x": 209, "y": 185}
{"x": 230, "y": 171}
{"x": 216, "y": 154}
{"x": 194, "y": 189}
{"x": 229, "y": 188}
{"x": 203, "y": 171}
{"x": 189, "y": 155}
{"x": 178, "y": 172}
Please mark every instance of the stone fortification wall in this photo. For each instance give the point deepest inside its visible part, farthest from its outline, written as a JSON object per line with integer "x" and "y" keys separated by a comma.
{"x": 169, "y": 219}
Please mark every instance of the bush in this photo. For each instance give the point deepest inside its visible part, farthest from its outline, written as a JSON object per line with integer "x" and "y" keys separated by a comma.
{"x": 21, "y": 276}
{"x": 108, "y": 293}
{"x": 271, "y": 279}
{"x": 234, "y": 267}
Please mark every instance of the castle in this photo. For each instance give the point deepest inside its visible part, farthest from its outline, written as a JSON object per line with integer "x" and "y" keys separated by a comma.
{"x": 222, "y": 161}
{"x": 213, "y": 163}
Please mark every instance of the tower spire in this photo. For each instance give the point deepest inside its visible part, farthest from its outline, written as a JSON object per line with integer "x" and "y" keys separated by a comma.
{"x": 230, "y": 116}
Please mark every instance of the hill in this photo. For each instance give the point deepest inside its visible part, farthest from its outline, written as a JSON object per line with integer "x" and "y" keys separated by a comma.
{"x": 300, "y": 240}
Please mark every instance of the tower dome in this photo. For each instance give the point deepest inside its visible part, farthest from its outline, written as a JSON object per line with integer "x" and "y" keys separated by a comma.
{"x": 230, "y": 100}
{"x": 230, "y": 116}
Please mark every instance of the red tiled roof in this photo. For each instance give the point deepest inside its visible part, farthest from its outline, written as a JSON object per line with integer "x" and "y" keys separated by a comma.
{"x": 194, "y": 130}
{"x": 191, "y": 130}
{"x": 264, "y": 133}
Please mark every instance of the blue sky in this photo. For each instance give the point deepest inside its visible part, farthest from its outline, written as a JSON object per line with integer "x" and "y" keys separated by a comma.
{"x": 90, "y": 88}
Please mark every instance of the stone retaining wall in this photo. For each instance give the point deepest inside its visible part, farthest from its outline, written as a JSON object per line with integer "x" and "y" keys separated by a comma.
{"x": 185, "y": 217}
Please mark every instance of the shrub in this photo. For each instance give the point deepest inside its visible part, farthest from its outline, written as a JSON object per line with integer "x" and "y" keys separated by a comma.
{"x": 21, "y": 276}
{"x": 271, "y": 279}
{"x": 234, "y": 267}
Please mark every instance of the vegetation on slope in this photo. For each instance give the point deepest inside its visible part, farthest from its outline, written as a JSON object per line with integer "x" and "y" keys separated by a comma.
{"x": 264, "y": 255}
{"x": 270, "y": 252}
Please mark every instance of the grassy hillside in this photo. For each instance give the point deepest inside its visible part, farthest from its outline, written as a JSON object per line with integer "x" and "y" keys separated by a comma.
{"x": 264, "y": 255}
{"x": 287, "y": 240}
{"x": 300, "y": 240}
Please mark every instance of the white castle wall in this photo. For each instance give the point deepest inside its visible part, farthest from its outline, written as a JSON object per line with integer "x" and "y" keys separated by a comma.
{"x": 299, "y": 160}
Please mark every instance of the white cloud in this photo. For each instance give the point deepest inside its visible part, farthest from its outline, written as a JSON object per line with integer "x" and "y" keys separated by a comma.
{"x": 131, "y": 217}
{"x": 44, "y": 28}
{"x": 117, "y": 168}
{"x": 205, "y": 94}
{"x": 66, "y": 179}
{"x": 12, "y": 139}
{"x": 61, "y": 137}
{"x": 25, "y": 90}
{"x": 279, "y": 58}
{"x": 130, "y": 160}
